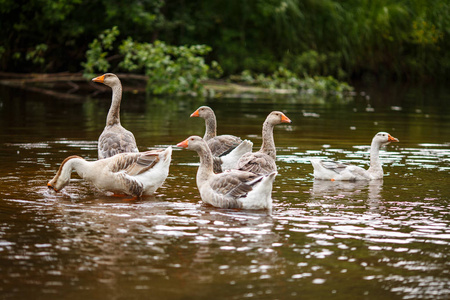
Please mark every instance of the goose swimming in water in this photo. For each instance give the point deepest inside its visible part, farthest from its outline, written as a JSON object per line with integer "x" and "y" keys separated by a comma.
{"x": 114, "y": 138}
{"x": 232, "y": 188}
{"x": 330, "y": 170}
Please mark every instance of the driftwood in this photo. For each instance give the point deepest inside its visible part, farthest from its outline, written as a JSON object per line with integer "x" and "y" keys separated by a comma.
{"x": 76, "y": 87}
{"x": 73, "y": 83}
{"x": 30, "y": 82}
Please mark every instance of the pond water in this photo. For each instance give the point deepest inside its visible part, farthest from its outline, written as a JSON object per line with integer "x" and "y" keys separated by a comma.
{"x": 378, "y": 240}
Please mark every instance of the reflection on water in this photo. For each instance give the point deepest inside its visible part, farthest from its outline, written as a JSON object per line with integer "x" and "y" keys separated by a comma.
{"x": 358, "y": 240}
{"x": 333, "y": 190}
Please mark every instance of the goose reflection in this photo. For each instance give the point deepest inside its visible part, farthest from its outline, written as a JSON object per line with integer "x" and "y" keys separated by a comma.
{"x": 353, "y": 190}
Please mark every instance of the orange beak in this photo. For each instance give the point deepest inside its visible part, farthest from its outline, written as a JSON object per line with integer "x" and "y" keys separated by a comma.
{"x": 195, "y": 114}
{"x": 285, "y": 119}
{"x": 51, "y": 187}
{"x": 392, "y": 139}
{"x": 183, "y": 144}
{"x": 99, "y": 79}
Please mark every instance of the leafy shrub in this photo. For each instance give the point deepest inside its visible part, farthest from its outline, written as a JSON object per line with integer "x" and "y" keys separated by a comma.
{"x": 36, "y": 56}
{"x": 98, "y": 51}
{"x": 315, "y": 64}
{"x": 286, "y": 79}
{"x": 170, "y": 69}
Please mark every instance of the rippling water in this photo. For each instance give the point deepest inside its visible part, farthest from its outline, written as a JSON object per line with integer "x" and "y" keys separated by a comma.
{"x": 383, "y": 239}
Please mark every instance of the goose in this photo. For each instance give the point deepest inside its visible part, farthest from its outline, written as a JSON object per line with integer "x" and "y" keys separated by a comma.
{"x": 114, "y": 138}
{"x": 222, "y": 146}
{"x": 232, "y": 188}
{"x": 263, "y": 161}
{"x": 135, "y": 174}
{"x": 229, "y": 161}
{"x": 330, "y": 170}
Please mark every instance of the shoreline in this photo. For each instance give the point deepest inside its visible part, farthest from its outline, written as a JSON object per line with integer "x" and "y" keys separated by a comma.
{"x": 74, "y": 86}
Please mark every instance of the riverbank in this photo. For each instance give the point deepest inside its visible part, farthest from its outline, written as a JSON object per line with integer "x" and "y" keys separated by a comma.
{"x": 75, "y": 86}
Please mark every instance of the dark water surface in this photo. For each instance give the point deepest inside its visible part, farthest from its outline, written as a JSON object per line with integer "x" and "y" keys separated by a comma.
{"x": 323, "y": 240}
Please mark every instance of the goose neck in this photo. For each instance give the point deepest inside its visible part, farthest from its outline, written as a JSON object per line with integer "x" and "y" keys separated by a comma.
{"x": 206, "y": 163}
{"x": 268, "y": 143}
{"x": 114, "y": 111}
{"x": 211, "y": 127}
{"x": 80, "y": 165}
{"x": 375, "y": 163}
{"x": 68, "y": 165}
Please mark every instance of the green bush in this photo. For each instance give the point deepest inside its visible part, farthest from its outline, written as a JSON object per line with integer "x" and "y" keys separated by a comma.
{"x": 170, "y": 69}
{"x": 286, "y": 79}
{"x": 96, "y": 56}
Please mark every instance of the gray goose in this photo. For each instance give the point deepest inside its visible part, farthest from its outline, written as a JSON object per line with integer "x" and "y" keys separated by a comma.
{"x": 227, "y": 149}
{"x": 232, "y": 188}
{"x": 114, "y": 138}
{"x": 263, "y": 161}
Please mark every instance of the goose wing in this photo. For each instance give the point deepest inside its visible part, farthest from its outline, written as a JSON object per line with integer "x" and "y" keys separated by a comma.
{"x": 223, "y": 144}
{"x": 258, "y": 163}
{"x": 145, "y": 162}
{"x": 135, "y": 163}
{"x": 114, "y": 140}
{"x": 337, "y": 167}
{"x": 234, "y": 183}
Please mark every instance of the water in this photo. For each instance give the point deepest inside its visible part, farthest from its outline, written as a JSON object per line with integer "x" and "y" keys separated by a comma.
{"x": 387, "y": 239}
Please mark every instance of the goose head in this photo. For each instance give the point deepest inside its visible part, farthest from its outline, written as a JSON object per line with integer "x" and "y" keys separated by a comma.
{"x": 62, "y": 177}
{"x": 204, "y": 112}
{"x": 108, "y": 79}
{"x": 277, "y": 117}
{"x": 383, "y": 138}
{"x": 59, "y": 182}
{"x": 192, "y": 143}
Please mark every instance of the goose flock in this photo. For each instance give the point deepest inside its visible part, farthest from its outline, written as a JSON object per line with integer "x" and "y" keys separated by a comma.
{"x": 230, "y": 175}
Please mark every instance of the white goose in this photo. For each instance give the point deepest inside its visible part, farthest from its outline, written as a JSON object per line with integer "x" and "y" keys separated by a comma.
{"x": 135, "y": 174}
{"x": 114, "y": 138}
{"x": 232, "y": 188}
{"x": 228, "y": 148}
{"x": 329, "y": 170}
{"x": 263, "y": 161}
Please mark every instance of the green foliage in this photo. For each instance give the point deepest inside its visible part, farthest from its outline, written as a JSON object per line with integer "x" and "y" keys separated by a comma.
{"x": 2, "y": 51}
{"x": 67, "y": 27}
{"x": 343, "y": 38}
{"x": 286, "y": 79}
{"x": 170, "y": 69}
{"x": 386, "y": 39}
{"x": 36, "y": 55}
{"x": 96, "y": 56}
{"x": 313, "y": 63}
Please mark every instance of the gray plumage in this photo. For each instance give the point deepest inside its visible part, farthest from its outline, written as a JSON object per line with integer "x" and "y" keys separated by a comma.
{"x": 114, "y": 138}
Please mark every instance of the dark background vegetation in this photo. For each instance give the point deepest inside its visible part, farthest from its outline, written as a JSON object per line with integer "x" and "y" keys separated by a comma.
{"x": 406, "y": 40}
